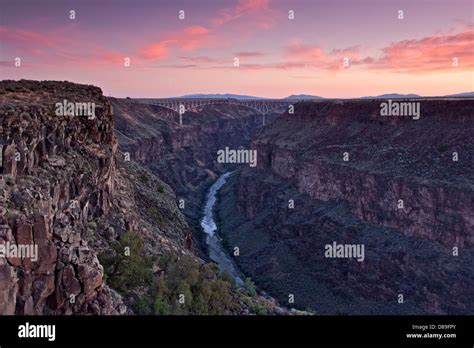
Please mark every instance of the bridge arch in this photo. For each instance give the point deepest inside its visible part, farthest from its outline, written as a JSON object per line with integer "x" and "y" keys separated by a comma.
{"x": 263, "y": 107}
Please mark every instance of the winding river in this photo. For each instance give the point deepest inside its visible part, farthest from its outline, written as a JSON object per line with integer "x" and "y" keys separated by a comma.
{"x": 217, "y": 253}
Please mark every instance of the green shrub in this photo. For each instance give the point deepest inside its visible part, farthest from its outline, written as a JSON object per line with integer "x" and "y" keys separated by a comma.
{"x": 259, "y": 310}
{"x": 204, "y": 289}
{"x": 249, "y": 287}
{"x": 125, "y": 266}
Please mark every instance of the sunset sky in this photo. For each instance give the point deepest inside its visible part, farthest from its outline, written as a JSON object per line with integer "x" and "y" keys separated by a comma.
{"x": 278, "y": 56}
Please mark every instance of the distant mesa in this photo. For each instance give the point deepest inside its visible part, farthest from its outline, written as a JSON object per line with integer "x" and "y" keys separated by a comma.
{"x": 400, "y": 96}
{"x": 462, "y": 95}
{"x": 300, "y": 97}
{"x": 393, "y": 96}
{"x": 303, "y": 97}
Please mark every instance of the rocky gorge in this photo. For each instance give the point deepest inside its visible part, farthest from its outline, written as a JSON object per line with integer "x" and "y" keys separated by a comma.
{"x": 110, "y": 235}
{"x": 114, "y": 204}
{"x": 337, "y": 171}
{"x": 184, "y": 156}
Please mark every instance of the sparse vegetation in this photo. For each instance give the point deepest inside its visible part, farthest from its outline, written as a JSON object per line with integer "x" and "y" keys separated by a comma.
{"x": 126, "y": 267}
{"x": 249, "y": 287}
{"x": 182, "y": 286}
{"x": 187, "y": 287}
{"x": 143, "y": 178}
{"x": 156, "y": 215}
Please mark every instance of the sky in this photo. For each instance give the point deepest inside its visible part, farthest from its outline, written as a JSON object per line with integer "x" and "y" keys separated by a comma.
{"x": 266, "y": 48}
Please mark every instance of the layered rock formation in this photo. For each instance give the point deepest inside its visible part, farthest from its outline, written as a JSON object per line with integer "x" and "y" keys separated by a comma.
{"x": 404, "y": 188}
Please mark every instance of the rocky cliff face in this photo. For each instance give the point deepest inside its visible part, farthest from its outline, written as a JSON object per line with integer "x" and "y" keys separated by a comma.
{"x": 64, "y": 189}
{"x": 57, "y": 175}
{"x": 389, "y": 159}
{"x": 389, "y": 183}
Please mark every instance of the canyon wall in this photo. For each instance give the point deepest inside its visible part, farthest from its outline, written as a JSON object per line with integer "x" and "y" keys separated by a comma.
{"x": 338, "y": 171}
{"x": 389, "y": 158}
{"x": 64, "y": 189}
{"x": 57, "y": 175}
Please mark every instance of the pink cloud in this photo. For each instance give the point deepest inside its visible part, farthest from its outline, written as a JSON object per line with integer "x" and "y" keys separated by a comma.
{"x": 103, "y": 57}
{"x": 312, "y": 56}
{"x": 195, "y": 37}
{"x": 243, "y": 7}
{"x": 306, "y": 53}
{"x": 196, "y": 30}
{"x": 425, "y": 55}
{"x": 250, "y": 54}
{"x": 432, "y": 53}
{"x": 200, "y": 59}
{"x": 46, "y": 49}
{"x": 188, "y": 39}
{"x": 159, "y": 50}
{"x": 26, "y": 38}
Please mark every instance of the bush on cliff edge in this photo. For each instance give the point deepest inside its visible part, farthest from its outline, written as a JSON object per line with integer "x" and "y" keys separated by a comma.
{"x": 182, "y": 286}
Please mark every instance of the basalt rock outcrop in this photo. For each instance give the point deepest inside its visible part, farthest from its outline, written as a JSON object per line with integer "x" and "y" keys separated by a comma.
{"x": 57, "y": 175}
{"x": 402, "y": 187}
{"x": 64, "y": 189}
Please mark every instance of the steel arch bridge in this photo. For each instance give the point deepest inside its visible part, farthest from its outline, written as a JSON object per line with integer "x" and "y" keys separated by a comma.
{"x": 181, "y": 105}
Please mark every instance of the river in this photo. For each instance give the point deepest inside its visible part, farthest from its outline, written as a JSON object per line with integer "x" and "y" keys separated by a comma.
{"x": 217, "y": 253}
